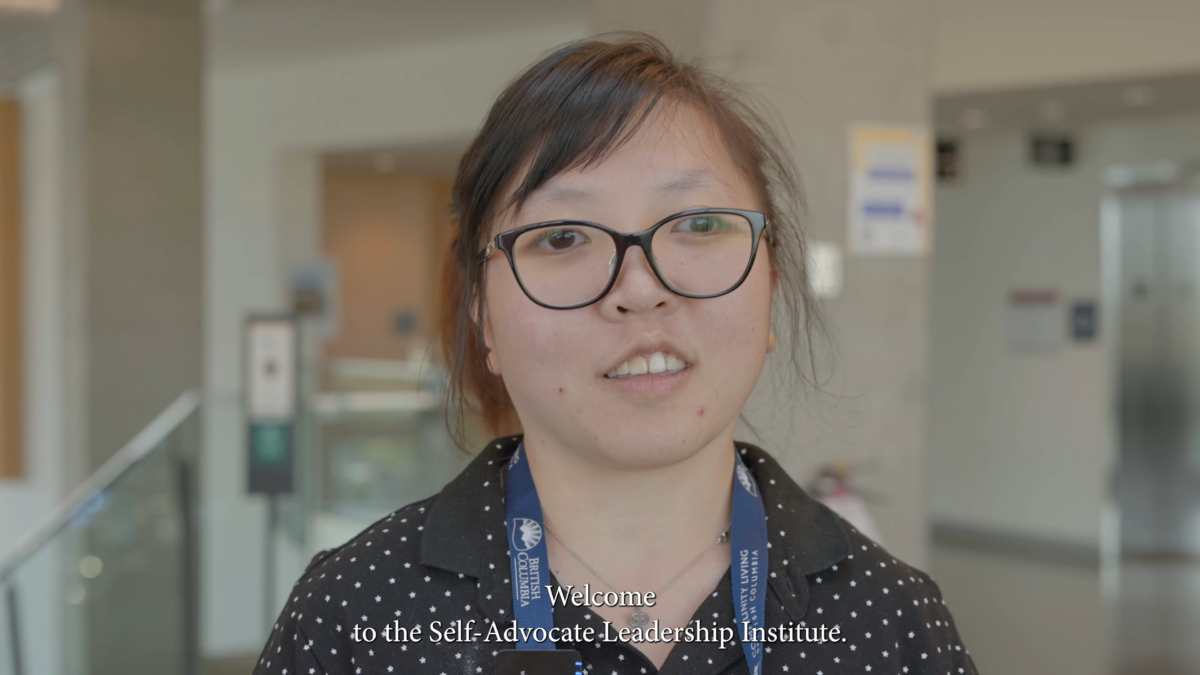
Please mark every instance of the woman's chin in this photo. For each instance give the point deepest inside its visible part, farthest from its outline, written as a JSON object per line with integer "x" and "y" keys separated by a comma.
{"x": 638, "y": 445}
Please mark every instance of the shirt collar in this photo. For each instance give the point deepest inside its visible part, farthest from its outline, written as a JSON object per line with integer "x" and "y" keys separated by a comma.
{"x": 804, "y": 536}
{"x": 465, "y": 532}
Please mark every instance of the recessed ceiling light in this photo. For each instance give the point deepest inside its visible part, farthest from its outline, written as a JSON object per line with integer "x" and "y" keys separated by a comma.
{"x": 974, "y": 118}
{"x": 1138, "y": 96}
{"x": 384, "y": 162}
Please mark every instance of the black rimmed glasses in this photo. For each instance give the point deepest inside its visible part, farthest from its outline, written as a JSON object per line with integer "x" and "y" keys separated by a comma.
{"x": 567, "y": 264}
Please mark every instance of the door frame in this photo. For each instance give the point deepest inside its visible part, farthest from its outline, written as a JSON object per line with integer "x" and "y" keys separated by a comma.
{"x": 1120, "y": 180}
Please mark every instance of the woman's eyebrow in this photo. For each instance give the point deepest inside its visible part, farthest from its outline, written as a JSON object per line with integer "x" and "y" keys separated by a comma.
{"x": 552, "y": 193}
{"x": 684, "y": 181}
{"x": 548, "y": 195}
{"x": 692, "y": 179}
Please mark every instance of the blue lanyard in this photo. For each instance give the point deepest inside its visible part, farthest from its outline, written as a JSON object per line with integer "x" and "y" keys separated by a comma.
{"x": 531, "y": 571}
{"x": 748, "y": 560}
{"x": 527, "y": 550}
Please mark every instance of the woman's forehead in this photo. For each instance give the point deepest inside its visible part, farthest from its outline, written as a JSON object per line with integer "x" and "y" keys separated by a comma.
{"x": 675, "y": 155}
{"x": 674, "y": 152}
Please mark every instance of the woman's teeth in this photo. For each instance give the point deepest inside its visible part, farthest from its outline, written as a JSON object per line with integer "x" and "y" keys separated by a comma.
{"x": 658, "y": 362}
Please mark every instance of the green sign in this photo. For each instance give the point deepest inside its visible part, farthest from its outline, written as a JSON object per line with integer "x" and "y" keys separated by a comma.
{"x": 270, "y": 443}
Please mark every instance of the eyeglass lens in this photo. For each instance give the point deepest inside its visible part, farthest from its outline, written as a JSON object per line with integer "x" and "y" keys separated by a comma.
{"x": 699, "y": 254}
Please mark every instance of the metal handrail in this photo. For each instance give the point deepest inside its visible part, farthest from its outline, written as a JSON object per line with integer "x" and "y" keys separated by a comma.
{"x": 141, "y": 446}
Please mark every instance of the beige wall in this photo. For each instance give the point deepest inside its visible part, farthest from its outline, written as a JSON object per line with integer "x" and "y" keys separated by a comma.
{"x": 133, "y": 77}
{"x": 386, "y": 235}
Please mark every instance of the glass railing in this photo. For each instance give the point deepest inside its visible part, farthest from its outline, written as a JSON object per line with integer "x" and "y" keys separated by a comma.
{"x": 107, "y": 585}
{"x": 376, "y": 439}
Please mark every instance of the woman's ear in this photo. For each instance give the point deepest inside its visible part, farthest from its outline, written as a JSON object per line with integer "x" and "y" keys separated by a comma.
{"x": 481, "y": 319}
{"x": 774, "y": 285}
{"x": 493, "y": 363}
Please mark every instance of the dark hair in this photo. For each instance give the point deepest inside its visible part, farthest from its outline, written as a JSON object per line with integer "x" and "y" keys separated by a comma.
{"x": 572, "y": 109}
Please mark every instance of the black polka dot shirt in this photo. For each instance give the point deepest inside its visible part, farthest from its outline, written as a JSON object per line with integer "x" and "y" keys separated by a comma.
{"x": 445, "y": 559}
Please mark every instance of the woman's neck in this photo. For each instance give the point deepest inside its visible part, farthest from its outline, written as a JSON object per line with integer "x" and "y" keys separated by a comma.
{"x": 634, "y": 524}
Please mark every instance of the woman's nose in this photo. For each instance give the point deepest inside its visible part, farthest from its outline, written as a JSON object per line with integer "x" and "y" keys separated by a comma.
{"x": 637, "y": 288}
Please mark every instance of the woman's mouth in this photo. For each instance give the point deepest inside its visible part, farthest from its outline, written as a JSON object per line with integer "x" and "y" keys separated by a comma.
{"x": 651, "y": 364}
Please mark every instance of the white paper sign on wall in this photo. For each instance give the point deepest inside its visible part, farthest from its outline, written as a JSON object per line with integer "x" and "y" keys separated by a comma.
{"x": 891, "y": 191}
{"x": 1035, "y": 321}
{"x": 271, "y": 378}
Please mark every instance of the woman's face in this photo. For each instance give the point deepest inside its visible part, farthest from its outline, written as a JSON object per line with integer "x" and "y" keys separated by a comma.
{"x": 558, "y": 365}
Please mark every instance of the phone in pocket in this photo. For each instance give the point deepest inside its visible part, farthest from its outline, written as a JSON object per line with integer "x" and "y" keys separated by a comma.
{"x": 539, "y": 662}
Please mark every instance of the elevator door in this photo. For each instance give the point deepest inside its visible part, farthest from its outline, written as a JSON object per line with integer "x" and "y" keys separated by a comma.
{"x": 1158, "y": 482}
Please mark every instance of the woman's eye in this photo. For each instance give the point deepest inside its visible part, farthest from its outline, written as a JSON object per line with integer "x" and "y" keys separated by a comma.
{"x": 702, "y": 224}
{"x": 560, "y": 240}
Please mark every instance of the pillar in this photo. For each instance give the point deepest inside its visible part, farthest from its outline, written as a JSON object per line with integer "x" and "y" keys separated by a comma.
{"x": 132, "y": 78}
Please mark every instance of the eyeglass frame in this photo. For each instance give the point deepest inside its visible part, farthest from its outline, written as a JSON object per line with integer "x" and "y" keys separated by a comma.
{"x": 624, "y": 241}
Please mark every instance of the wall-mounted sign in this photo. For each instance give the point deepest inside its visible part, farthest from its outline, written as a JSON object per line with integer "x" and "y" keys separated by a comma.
{"x": 1034, "y": 321}
{"x": 271, "y": 381}
{"x": 314, "y": 289}
{"x": 1051, "y": 150}
{"x": 891, "y": 192}
{"x": 1083, "y": 321}
{"x": 948, "y": 167}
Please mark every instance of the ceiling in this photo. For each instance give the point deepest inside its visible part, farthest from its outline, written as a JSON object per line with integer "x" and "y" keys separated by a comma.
{"x": 256, "y": 31}
{"x": 1064, "y": 107}
{"x": 247, "y": 32}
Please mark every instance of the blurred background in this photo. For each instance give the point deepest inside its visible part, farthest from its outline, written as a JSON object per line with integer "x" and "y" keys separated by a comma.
{"x": 220, "y": 226}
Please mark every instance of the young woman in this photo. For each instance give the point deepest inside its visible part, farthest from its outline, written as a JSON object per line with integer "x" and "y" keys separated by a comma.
{"x": 626, "y": 225}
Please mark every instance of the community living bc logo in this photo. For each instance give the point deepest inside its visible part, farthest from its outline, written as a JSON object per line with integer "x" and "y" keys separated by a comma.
{"x": 527, "y": 533}
{"x": 743, "y": 476}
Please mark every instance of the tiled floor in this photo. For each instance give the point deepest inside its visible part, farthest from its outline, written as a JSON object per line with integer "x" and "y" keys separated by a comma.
{"x": 1020, "y": 616}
